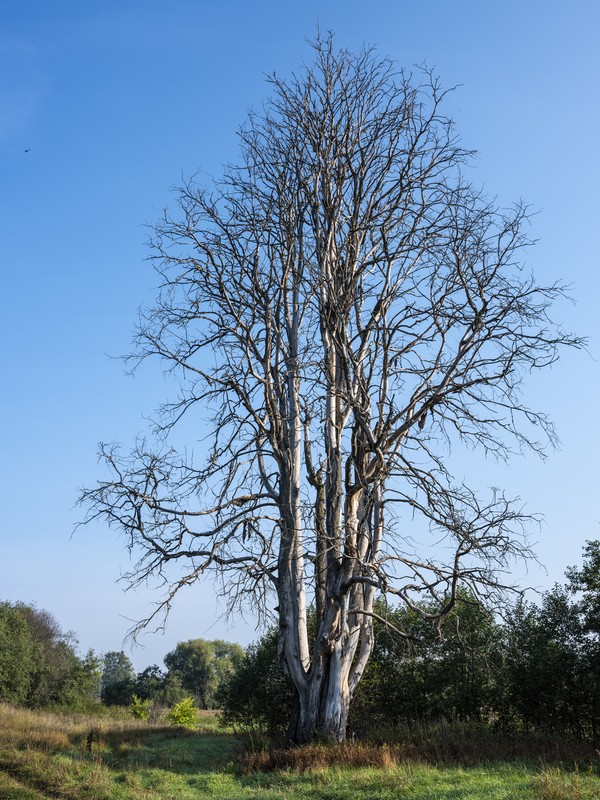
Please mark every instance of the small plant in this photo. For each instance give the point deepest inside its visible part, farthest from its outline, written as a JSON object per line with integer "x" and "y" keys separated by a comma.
{"x": 184, "y": 713}
{"x": 141, "y": 709}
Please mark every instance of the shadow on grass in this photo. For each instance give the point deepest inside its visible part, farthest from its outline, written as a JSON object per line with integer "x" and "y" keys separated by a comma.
{"x": 171, "y": 748}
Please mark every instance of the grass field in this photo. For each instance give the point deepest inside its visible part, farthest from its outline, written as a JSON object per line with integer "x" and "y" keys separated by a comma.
{"x": 75, "y": 757}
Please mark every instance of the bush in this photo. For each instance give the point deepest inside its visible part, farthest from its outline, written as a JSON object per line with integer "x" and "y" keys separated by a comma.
{"x": 139, "y": 708}
{"x": 184, "y": 713}
{"x": 259, "y": 697}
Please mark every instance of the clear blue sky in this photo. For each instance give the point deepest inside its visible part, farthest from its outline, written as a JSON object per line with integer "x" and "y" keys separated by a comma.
{"x": 115, "y": 101}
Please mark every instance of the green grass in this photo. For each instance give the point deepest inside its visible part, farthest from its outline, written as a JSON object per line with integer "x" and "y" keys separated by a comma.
{"x": 45, "y": 756}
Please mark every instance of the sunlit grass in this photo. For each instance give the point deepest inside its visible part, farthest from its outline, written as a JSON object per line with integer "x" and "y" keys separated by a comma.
{"x": 86, "y": 757}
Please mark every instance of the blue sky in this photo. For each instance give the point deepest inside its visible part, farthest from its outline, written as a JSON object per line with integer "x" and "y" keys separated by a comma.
{"x": 116, "y": 101}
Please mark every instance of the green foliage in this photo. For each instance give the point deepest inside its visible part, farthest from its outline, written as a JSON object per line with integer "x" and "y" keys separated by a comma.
{"x": 149, "y": 684}
{"x": 542, "y": 661}
{"x": 141, "y": 709}
{"x": 445, "y": 672}
{"x": 203, "y": 666}
{"x": 118, "y": 679}
{"x": 184, "y": 713}
{"x": 39, "y": 665}
{"x": 19, "y": 657}
{"x": 259, "y": 696}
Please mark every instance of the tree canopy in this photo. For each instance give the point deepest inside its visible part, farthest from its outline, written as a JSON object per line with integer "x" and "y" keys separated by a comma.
{"x": 39, "y": 664}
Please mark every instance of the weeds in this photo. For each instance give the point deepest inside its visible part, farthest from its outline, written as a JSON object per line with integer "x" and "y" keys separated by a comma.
{"x": 322, "y": 756}
{"x": 554, "y": 784}
{"x": 44, "y": 756}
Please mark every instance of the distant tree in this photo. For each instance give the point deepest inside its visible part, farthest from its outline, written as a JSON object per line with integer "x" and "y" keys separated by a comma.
{"x": 149, "y": 684}
{"x": 80, "y": 685}
{"x": 347, "y": 307}
{"x": 259, "y": 695}
{"x": 19, "y": 656}
{"x": 584, "y": 581}
{"x": 201, "y": 666}
{"x": 118, "y": 679}
{"x": 584, "y": 584}
{"x": 163, "y": 688}
{"x": 39, "y": 664}
{"x": 61, "y": 677}
{"x": 543, "y": 662}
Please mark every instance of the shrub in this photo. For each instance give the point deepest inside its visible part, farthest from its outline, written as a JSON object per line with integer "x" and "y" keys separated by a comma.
{"x": 184, "y": 713}
{"x": 139, "y": 708}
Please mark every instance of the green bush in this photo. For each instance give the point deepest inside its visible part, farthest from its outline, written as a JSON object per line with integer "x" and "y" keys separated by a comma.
{"x": 139, "y": 708}
{"x": 184, "y": 713}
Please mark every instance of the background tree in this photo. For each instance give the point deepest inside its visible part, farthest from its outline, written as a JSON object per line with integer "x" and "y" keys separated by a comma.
{"x": 60, "y": 676}
{"x": 447, "y": 672}
{"x": 19, "y": 657}
{"x": 259, "y": 696}
{"x": 202, "y": 666}
{"x": 39, "y": 664}
{"x": 584, "y": 584}
{"x": 118, "y": 679}
{"x": 543, "y": 663}
{"x": 348, "y": 307}
{"x": 584, "y": 581}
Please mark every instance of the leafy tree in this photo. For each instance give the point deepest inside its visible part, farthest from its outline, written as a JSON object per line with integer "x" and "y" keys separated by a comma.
{"x": 118, "y": 679}
{"x": 149, "y": 684}
{"x": 164, "y": 688}
{"x": 201, "y": 666}
{"x": 585, "y": 581}
{"x": 19, "y": 656}
{"x": 584, "y": 584}
{"x": 544, "y": 666}
{"x": 348, "y": 306}
{"x": 63, "y": 677}
{"x": 446, "y": 671}
{"x": 258, "y": 695}
{"x": 39, "y": 664}
{"x": 77, "y": 682}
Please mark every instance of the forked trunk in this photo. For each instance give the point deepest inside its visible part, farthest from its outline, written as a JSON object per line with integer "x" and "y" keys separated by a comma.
{"x": 322, "y": 709}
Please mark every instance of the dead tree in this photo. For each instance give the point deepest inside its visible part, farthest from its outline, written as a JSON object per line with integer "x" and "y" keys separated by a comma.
{"x": 342, "y": 306}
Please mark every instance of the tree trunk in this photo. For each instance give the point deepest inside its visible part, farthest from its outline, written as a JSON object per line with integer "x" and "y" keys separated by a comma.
{"x": 322, "y": 708}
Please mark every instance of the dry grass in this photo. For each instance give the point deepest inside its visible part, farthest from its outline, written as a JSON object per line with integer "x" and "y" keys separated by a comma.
{"x": 46, "y": 756}
{"x": 468, "y": 744}
{"x": 322, "y": 756}
{"x": 51, "y": 731}
{"x": 103, "y": 757}
{"x": 554, "y": 784}
{"x": 434, "y": 744}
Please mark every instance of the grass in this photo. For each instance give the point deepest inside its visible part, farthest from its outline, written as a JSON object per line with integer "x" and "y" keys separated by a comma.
{"x": 48, "y": 756}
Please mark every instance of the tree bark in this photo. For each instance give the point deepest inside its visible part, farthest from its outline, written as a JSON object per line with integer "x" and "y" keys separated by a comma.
{"x": 322, "y": 708}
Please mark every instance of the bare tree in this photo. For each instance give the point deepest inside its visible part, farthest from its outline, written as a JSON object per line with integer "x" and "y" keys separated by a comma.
{"x": 344, "y": 306}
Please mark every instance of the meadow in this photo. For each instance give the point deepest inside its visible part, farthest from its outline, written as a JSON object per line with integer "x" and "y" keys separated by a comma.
{"x": 47, "y": 755}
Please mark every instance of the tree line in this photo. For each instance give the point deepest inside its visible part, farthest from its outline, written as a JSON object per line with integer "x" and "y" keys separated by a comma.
{"x": 39, "y": 663}
{"x": 535, "y": 668}
{"x": 40, "y": 667}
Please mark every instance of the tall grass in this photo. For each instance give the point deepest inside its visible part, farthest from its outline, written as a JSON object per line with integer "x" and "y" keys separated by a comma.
{"x": 432, "y": 743}
{"x": 46, "y": 756}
